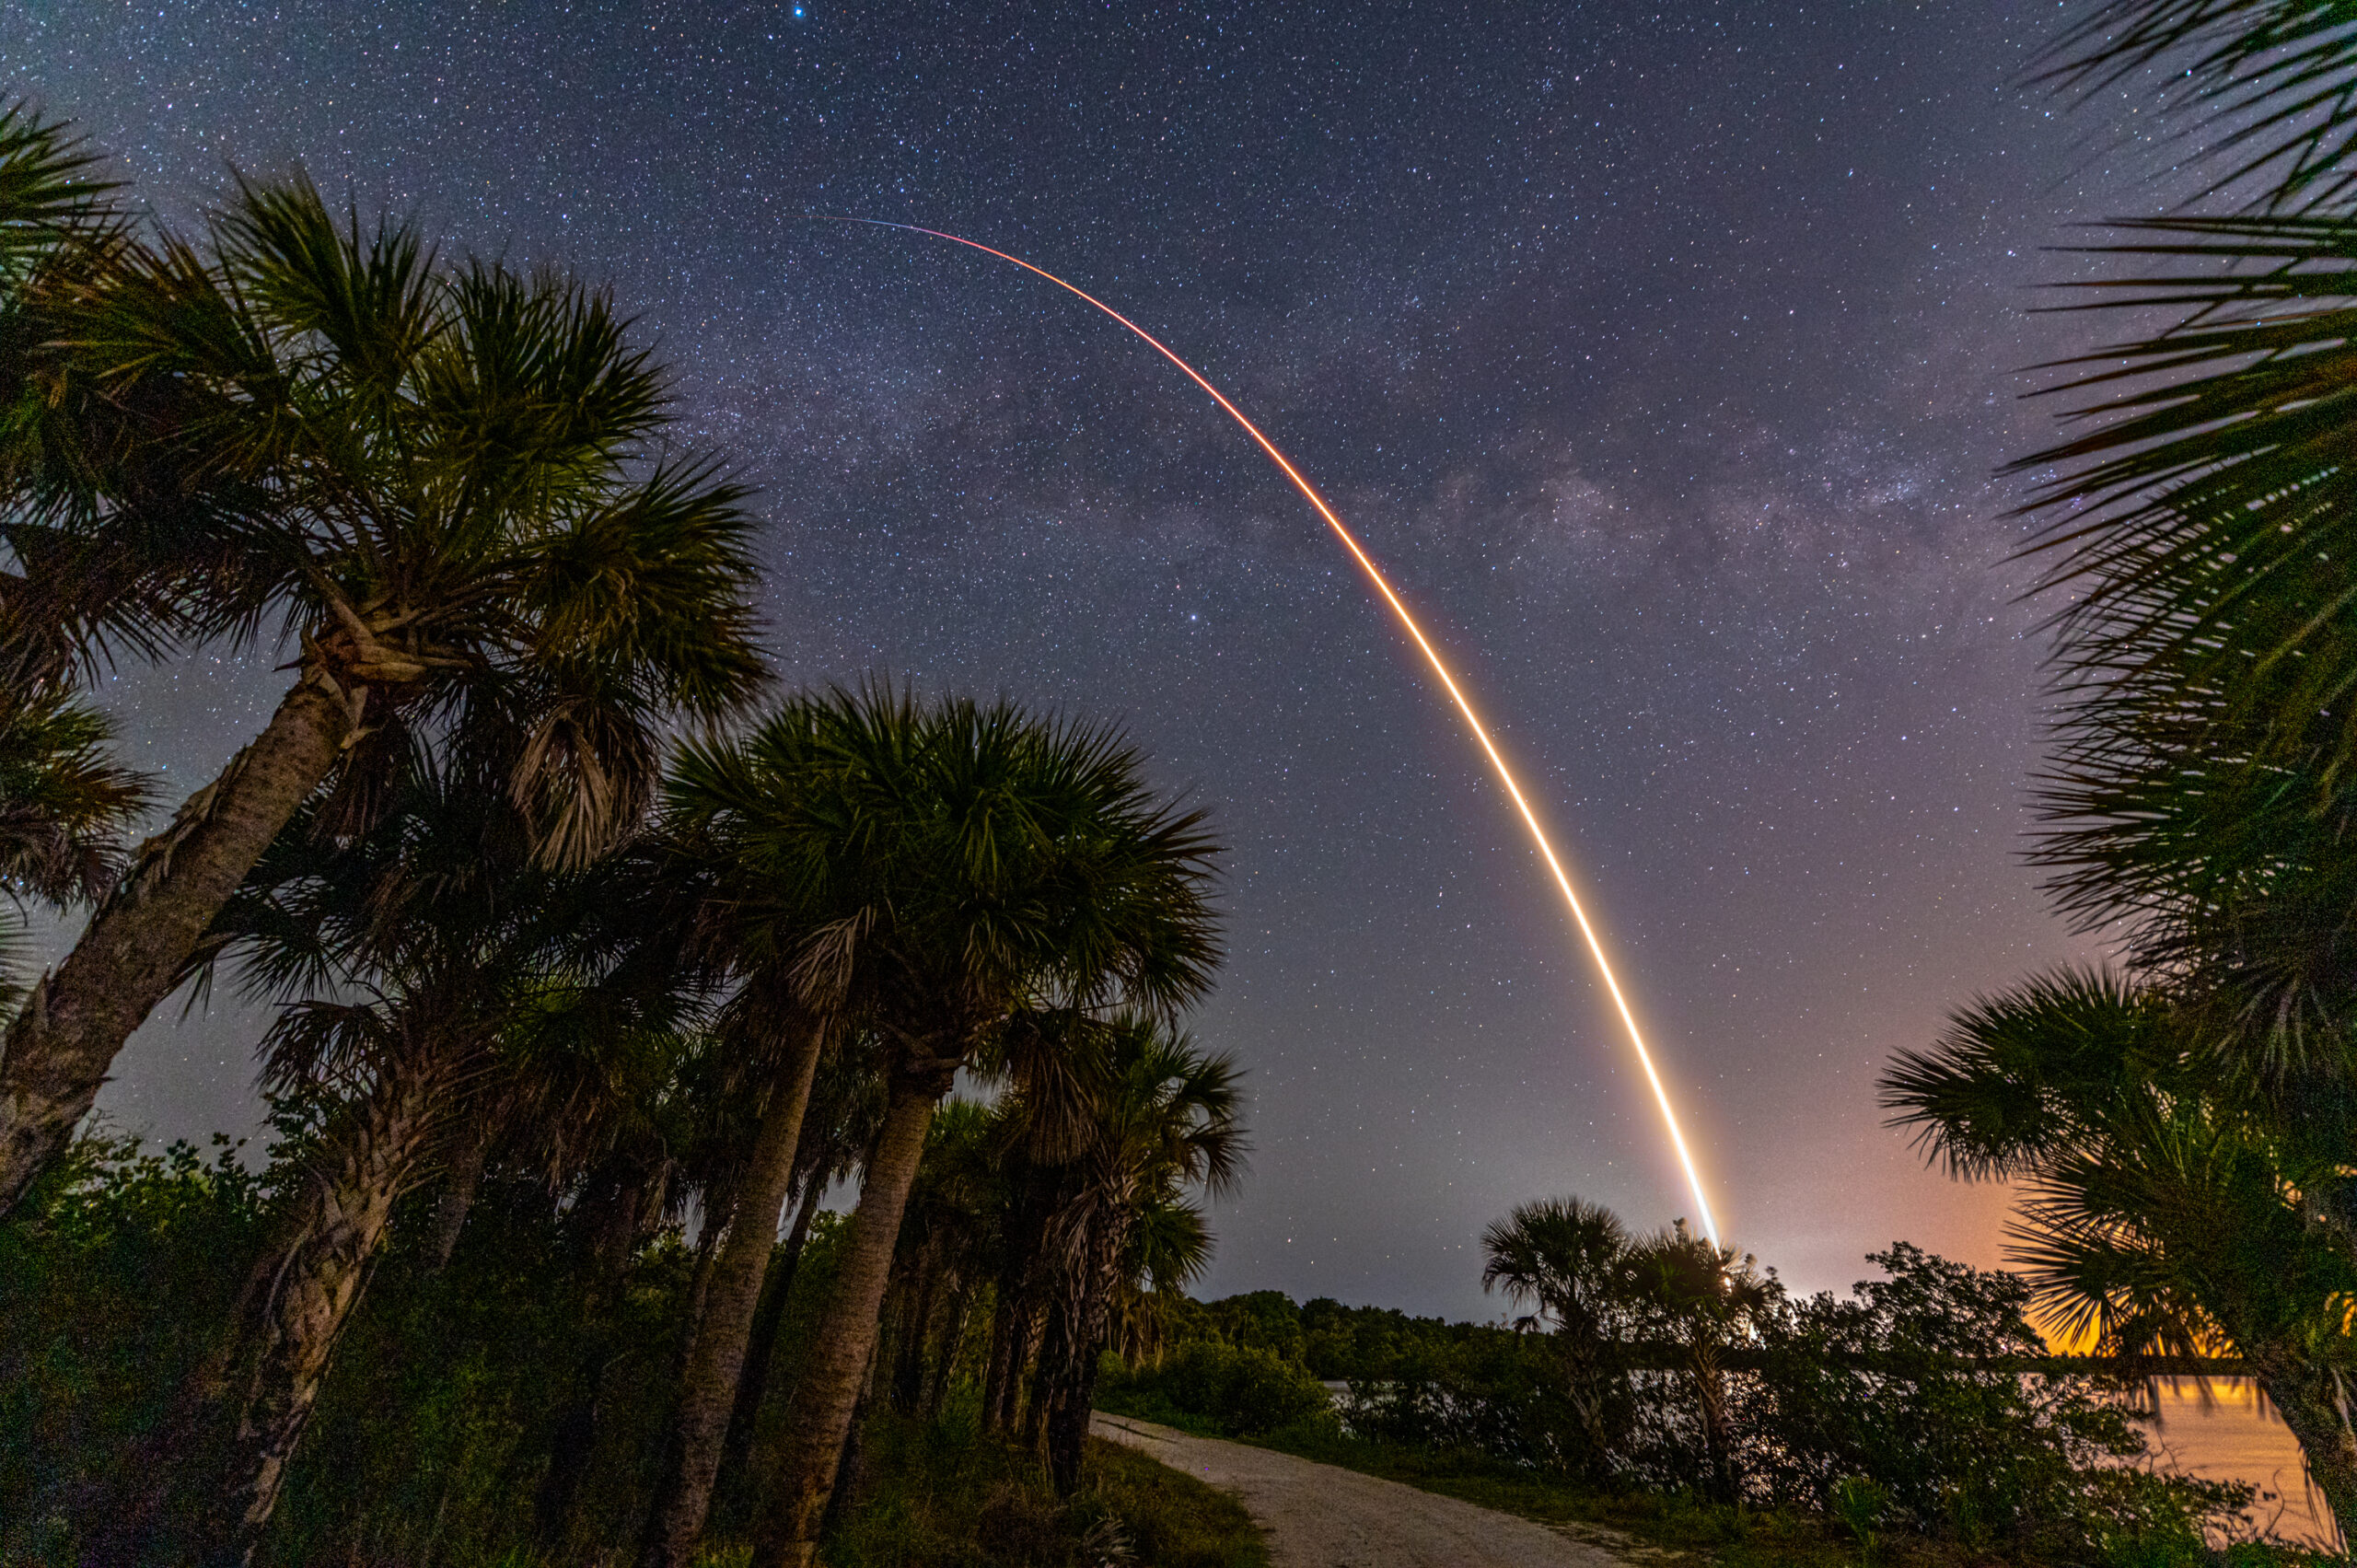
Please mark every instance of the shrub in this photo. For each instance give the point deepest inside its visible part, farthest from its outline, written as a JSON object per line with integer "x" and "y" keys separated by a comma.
{"x": 1241, "y": 1390}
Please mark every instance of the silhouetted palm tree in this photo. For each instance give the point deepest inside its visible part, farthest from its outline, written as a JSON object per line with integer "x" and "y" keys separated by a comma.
{"x": 978, "y": 863}
{"x": 741, "y": 812}
{"x": 1162, "y": 1119}
{"x": 2167, "y": 1206}
{"x": 442, "y": 485}
{"x": 1567, "y": 1261}
{"x": 1703, "y": 1301}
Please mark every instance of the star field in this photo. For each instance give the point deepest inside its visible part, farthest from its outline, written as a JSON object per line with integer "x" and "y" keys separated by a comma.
{"x": 1661, "y": 354}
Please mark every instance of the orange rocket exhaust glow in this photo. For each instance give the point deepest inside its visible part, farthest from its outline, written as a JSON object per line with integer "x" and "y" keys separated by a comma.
{"x": 1432, "y": 656}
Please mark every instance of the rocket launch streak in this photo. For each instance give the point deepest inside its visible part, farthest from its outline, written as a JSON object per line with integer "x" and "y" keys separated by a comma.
{"x": 1432, "y": 656}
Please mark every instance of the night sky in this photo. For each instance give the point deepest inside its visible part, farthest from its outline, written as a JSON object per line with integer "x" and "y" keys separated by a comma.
{"x": 1663, "y": 354}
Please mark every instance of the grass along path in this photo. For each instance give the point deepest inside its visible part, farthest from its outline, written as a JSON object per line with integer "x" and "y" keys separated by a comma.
{"x": 1317, "y": 1516}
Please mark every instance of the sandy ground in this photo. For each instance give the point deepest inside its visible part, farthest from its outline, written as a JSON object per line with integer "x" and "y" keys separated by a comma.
{"x": 1318, "y": 1516}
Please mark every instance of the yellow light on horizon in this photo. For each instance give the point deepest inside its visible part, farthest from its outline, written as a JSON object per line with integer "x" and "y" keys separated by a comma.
{"x": 1432, "y": 656}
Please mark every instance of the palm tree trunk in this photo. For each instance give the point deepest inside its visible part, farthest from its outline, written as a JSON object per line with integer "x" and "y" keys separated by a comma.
{"x": 908, "y": 1371}
{"x": 761, "y": 1345}
{"x": 461, "y": 1179}
{"x": 708, "y": 1392}
{"x": 1073, "y": 1391}
{"x": 131, "y": 955}
{"x": 1711, "y": 1394}
{"x": 787, "y": 1531}
{"x": 945, "y": 1365}
{"x": 2313, "y": 1404}
{"x": 1015, "y": 1323}
{"x": 319, "y": 1278}
{"x": 1000, "y": 1371}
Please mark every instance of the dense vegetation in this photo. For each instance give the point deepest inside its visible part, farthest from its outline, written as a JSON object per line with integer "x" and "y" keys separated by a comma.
{"x": 2180, "y": 1124}
{"x": 1923, "y": 1413}
{"x": 461, "y": 1386}
{"x": 569, "y": 1016}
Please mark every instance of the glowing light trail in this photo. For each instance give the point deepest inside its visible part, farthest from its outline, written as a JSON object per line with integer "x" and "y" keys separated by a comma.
{"x": 1432, "y": 656}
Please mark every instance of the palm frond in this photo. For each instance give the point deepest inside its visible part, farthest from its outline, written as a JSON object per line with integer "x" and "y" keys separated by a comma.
{"x": 2268, "y": 88}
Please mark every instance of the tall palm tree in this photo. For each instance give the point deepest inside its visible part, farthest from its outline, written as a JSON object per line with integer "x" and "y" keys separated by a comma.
{"x": 1567, "y": 1260}
{"x": 440, "y": 483}
{"x": 2169, "y": 1206}
{"x": 1162, "y": 1118}
{"x": 738, "y": 812}
{"x": 978, "y": 863}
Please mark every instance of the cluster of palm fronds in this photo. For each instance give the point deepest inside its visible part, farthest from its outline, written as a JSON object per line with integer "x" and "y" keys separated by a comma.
{"x": 2184, "y": 1128}
{"x": 510, "y": 934}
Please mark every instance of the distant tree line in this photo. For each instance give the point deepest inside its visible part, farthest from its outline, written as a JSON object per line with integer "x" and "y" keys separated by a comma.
{"x": 1924, "y": 1406}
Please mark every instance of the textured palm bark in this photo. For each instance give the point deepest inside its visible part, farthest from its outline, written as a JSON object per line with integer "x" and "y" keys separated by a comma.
{"x": 761, "y": 1345}
{"x": 916, "y": 1322}
{"x": 318, "y": 1279}
{"x": 708, "y": 1391}
{"x": 796, "y": 1499}
{"x": 129, "y": 957}
{"x": 461, "y": 1179}
{"x": 1073, "y": 1391}
{"x": 2316, "y": 1406}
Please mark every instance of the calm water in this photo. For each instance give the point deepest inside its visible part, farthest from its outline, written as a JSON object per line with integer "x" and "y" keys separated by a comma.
{"x": 2219, "y": 1428}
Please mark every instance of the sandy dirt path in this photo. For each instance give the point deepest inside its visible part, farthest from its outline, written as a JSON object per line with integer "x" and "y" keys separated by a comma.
{"x": 1320, "y": 1517}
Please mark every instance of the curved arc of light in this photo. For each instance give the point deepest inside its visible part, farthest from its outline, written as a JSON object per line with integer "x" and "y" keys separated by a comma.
{"x": 1432, "y": 656}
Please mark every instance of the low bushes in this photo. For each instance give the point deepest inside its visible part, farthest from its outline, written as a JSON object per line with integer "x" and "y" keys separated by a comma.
{"x": 1237, "y": 1391}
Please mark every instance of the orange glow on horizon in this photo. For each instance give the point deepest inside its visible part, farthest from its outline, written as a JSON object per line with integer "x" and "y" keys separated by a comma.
{"x": 1432, "y": 656}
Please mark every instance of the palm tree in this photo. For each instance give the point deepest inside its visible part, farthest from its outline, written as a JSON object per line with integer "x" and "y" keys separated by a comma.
{"x": 440, "y": 483}
{"x": 2169, "y": 1207}
{"x": 977, "y": 863}
{"x": 1703, "y": 1301}
{"x": 738, "y": 812}
{"x": 2201, "y": 524}
{"x": 846, "y": 1109}
{"x": 1162, "y": 1117}
{"x": 1567, "y": 1260}
{"x": 62, "y": 802}
{"x": 418, "y": 959}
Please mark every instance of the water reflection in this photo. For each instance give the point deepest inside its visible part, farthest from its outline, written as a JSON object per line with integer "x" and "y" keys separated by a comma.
{"x": 2219, "y": 1428}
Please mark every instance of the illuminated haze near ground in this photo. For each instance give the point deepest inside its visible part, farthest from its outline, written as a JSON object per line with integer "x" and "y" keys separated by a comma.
{"x": 1661, "y": 355}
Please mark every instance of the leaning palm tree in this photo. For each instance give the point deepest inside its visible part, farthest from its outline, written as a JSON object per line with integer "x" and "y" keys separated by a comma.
{"x": 1566, "y": 1260}
{"x": 978, "y": 863}
{"x": 417, "y": 960}
{"x": 2169, "y": 1206}
{"x": 440, "y": 484}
